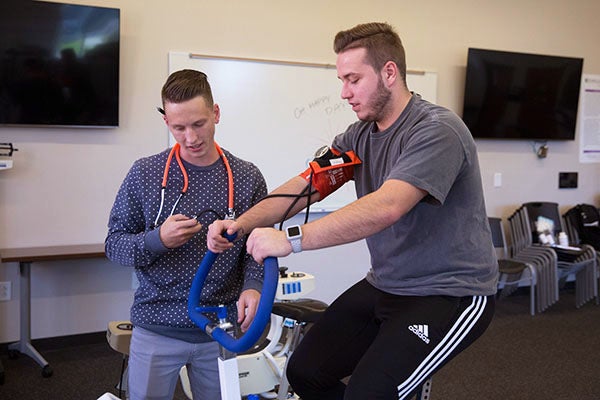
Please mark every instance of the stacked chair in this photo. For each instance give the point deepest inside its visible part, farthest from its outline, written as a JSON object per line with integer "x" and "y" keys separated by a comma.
{"x": 582, "y": 224}
{"x": 554, "y": 263}
{"x": 512, "y": 272}
{"x": 543, "y": 259}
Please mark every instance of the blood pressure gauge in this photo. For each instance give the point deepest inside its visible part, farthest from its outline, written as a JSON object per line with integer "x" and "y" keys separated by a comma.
{"x": 323, "y": 152}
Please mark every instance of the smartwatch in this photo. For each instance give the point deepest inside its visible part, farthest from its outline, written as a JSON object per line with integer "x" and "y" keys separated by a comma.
{"x": 294, "y": 236}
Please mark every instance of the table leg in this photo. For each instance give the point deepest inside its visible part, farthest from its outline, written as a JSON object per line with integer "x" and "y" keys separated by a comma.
{"x": 24, "y": 345}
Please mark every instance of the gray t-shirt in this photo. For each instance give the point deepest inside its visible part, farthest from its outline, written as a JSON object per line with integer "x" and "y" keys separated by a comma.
{"x": 443, "y": 245}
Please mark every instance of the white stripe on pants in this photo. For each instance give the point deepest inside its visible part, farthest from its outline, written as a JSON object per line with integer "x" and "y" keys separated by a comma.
{"x": 459, "y": 330}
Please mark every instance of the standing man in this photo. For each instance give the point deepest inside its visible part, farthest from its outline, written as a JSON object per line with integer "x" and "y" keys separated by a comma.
{"x": 162, "y": 234}
{"x": 430, "y": 290}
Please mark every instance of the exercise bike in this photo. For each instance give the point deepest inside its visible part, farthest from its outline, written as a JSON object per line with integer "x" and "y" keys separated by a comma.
{"x": 247, "y": 369}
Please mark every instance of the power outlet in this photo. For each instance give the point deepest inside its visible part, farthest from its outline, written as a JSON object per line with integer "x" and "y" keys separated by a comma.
{"x": 5, "y": 291}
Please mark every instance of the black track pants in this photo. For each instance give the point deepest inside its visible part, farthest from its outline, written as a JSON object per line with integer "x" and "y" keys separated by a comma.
{"x": 388, "y": 344}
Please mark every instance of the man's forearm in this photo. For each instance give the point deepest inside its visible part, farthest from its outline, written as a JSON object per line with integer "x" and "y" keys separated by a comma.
{"x": 272, "y": 210}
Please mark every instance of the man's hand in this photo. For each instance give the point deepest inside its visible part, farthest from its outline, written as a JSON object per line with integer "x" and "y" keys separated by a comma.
{"x": 215, "y": 240}
{"x": 177, "y": 230}
{"x": 246, "y": 308}
{"x": 267, "y": 242}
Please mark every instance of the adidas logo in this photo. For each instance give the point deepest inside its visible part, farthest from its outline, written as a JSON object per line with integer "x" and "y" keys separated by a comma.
{"x": 422, "y": 331}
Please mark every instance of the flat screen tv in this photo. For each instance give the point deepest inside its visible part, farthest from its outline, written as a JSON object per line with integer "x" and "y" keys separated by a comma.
{"x": 512, "y": 95}
{"x": 59, "y": 64}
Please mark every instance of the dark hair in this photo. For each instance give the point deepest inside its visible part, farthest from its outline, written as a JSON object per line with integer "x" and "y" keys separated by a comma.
{"x": 379, "y": 39}
{"x": 186, "y": 84}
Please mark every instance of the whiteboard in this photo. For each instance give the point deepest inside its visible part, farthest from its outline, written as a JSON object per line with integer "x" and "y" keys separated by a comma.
{"x": 275, "y": 114}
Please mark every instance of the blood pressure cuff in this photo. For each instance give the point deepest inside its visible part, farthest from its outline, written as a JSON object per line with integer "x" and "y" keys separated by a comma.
{"x": 330, "y": 171}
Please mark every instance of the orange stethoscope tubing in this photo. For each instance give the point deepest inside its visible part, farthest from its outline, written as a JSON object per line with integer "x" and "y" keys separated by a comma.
{"x": 230, "y": 210}
{"x": 163, "y": 189}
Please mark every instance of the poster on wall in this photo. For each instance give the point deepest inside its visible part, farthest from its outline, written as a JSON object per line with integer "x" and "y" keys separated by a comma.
{"x": 589, "y": 119}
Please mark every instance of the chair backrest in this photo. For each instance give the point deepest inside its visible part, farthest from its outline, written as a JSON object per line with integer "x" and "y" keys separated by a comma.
{"x": 519, "y": 239}
{"x": 548, "y": 210}
{"x": 498, "y": 237}
{"x": 571, "y": 227}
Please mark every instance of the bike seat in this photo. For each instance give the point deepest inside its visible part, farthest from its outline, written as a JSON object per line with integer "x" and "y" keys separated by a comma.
{"x": 301, "y": 310}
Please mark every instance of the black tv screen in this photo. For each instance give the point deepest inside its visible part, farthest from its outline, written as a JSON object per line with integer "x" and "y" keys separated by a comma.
{"x": 59, "y": 64}
{"x": 511, "y": 95}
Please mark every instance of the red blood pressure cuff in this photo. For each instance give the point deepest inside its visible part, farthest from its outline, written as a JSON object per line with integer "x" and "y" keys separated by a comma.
{"x": 330, "y": 171}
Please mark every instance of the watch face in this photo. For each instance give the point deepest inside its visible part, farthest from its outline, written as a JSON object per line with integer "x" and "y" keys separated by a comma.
{"x": 293, "y": 231}
{"x": 321, "y": 151}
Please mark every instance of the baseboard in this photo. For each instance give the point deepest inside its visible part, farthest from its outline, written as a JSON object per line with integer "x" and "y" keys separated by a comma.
{"x": 60, "y": 342}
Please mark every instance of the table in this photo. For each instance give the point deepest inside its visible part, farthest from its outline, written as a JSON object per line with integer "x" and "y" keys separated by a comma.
{"x": 25, "y": 256}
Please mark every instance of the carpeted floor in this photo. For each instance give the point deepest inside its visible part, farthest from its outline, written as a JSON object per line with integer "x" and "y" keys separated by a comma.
{"x": 554, "y": 355}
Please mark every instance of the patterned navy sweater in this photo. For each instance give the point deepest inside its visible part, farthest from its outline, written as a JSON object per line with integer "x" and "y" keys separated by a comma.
{"x": 165, "y": 275}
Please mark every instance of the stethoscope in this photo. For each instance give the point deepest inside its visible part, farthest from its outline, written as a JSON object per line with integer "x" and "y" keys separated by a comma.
{"x": 163, "y": 189}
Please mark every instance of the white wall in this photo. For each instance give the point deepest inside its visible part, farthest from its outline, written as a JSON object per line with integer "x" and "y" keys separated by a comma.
{"x": 64, "y": 181}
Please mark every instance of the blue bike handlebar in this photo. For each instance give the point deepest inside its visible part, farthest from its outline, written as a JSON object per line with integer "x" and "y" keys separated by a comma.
{"x": 263, "y": 313}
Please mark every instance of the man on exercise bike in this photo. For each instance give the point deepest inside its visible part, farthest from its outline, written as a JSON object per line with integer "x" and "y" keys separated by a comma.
{"x": 430, "y": 291}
